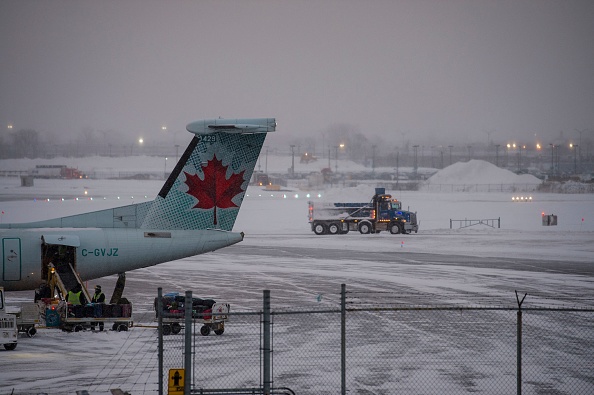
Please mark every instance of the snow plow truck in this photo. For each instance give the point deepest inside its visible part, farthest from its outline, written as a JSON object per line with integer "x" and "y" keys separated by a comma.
{"x": 382, "y": 213}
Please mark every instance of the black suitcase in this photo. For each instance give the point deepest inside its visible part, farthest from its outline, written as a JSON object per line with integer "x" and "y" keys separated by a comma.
{"x": 107, "y": 311}
{"x": 78, "y": 311}
{"x": 116, "y": 311}
{"x": 88, "y": 310}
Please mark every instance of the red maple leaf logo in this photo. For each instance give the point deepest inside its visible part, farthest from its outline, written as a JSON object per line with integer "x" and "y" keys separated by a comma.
{"x": 215, "y": 190}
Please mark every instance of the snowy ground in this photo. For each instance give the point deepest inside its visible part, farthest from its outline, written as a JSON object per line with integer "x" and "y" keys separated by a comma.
{"x": 281, "y": 253}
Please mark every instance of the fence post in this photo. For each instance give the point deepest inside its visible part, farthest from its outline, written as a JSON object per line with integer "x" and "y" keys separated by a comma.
{"x": 343, "y": 339}
{"x": 266, "y": 345}
{"x": 519, "y": 345}
{"x": 160, "y": 336}
{"x": 188, "y": 343}
{"x": 519, "y": 354}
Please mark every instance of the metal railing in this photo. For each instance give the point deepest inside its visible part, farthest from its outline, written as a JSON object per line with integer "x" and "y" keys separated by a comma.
{"x": 465, "y": 223}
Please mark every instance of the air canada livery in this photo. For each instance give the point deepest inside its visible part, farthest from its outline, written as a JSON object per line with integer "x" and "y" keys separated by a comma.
{"x": 193, "y": 213}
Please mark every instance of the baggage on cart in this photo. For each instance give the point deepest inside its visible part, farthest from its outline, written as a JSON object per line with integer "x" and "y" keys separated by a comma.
{"x": 75, "y": 318}
{"x": 212, "y": 315}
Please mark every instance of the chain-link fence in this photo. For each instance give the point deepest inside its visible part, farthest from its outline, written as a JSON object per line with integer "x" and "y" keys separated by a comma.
{"x": 390, "y": 347}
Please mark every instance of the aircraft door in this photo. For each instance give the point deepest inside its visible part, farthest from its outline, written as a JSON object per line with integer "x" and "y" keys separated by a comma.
{"x": 11, "y": 259}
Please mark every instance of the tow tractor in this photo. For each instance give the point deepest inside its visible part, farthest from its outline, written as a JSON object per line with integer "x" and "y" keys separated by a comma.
{"x": 8, "y": 326}
{"x": 27, "y": 316}
{"x": 211, "y": 314}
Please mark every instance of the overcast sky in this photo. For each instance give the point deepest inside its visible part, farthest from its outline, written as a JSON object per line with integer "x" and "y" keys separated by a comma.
{"x": 417, "y": 70}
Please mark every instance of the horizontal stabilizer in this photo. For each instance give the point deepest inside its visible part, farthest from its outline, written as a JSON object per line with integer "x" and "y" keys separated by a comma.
{"x": 208, "y": 126}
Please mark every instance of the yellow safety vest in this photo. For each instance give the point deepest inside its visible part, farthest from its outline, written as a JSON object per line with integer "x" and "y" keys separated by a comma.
{"x": 96, "y": 297}
{"x": 74, "y": 298}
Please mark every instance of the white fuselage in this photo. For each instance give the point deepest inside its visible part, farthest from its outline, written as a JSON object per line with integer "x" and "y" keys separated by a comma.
{"x": 102, "y": 252}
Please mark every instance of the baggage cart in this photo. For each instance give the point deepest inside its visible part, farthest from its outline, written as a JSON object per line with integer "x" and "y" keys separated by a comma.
{"x": 75, "y": 318}
{"x": 212, "y": 315}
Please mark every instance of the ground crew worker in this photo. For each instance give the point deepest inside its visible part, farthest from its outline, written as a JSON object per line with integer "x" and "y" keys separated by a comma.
{"x": 43, "y": 291}
{"x": 98, "y": 297}
{"x": 75, "y": 296}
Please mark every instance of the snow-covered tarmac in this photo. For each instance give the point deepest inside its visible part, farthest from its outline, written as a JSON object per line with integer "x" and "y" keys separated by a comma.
{"x": 301, "y": 269}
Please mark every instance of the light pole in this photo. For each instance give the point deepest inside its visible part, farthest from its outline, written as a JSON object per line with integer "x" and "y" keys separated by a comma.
{"x": 373, "y": 147}
{"x": 397, "y": 167}
{"x": 415, "y": 166}
{"x": 336, "y": 157}
{"x": 497, "y": 154}
{"x": 450, "y": 147}
{"x": 165, "y": 169}
{"x": 176, "y": 150}
{"x": 574, "y": 147}
{"x": 292, "y": 159}
{"x": 164, "y": 130}
{"x": 552, "y": 159}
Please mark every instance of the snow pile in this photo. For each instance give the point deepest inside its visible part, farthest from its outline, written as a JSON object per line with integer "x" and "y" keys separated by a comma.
{"x": 479, "y": 172}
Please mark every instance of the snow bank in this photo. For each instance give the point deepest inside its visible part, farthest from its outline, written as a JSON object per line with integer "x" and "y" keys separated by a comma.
{"x": 479, "y": 172}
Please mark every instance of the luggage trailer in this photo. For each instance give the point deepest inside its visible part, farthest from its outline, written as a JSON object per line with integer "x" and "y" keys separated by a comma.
{"x": 77, "y": 318}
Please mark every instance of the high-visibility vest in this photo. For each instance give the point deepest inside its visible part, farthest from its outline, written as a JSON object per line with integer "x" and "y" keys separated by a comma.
{"x": 74, "y": 298}
{"x": 96, "y": 297}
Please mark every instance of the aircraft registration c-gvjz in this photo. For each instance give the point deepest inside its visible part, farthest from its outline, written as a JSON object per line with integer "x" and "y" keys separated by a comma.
{"x": 193, "y": 213}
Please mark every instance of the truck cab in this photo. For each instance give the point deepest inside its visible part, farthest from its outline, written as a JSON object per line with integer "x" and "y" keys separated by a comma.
{"x": 390, "y": 210}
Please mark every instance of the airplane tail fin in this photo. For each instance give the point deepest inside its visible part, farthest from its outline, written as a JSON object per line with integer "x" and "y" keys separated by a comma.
{"x": 207, "y": 186}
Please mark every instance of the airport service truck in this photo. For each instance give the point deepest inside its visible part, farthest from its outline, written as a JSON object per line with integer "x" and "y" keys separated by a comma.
{"x": 56, "y": 171}
{"x": 8, "y": 326}
{"x": 382, "y": 213}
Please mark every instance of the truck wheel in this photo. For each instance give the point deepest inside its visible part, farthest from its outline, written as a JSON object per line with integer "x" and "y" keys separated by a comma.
{"x": 175, "y": 328}
{"x": 31, "y": 331}
{"x": 205, "y": 330}
{"x": 319, "y": 228}
{"x": 219, "y": 332}
{"x": 10, "y": 346}
{"x": 122, "y": 328}
{"x": 395, "y": 228}
{"x": 166, "y": 330}
{"x": 333, "y": 228}
{"x": 364, "y": 228}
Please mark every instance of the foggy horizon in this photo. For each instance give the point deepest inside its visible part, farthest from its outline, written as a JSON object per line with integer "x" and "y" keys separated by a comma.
{"x": 397, "y": 72}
